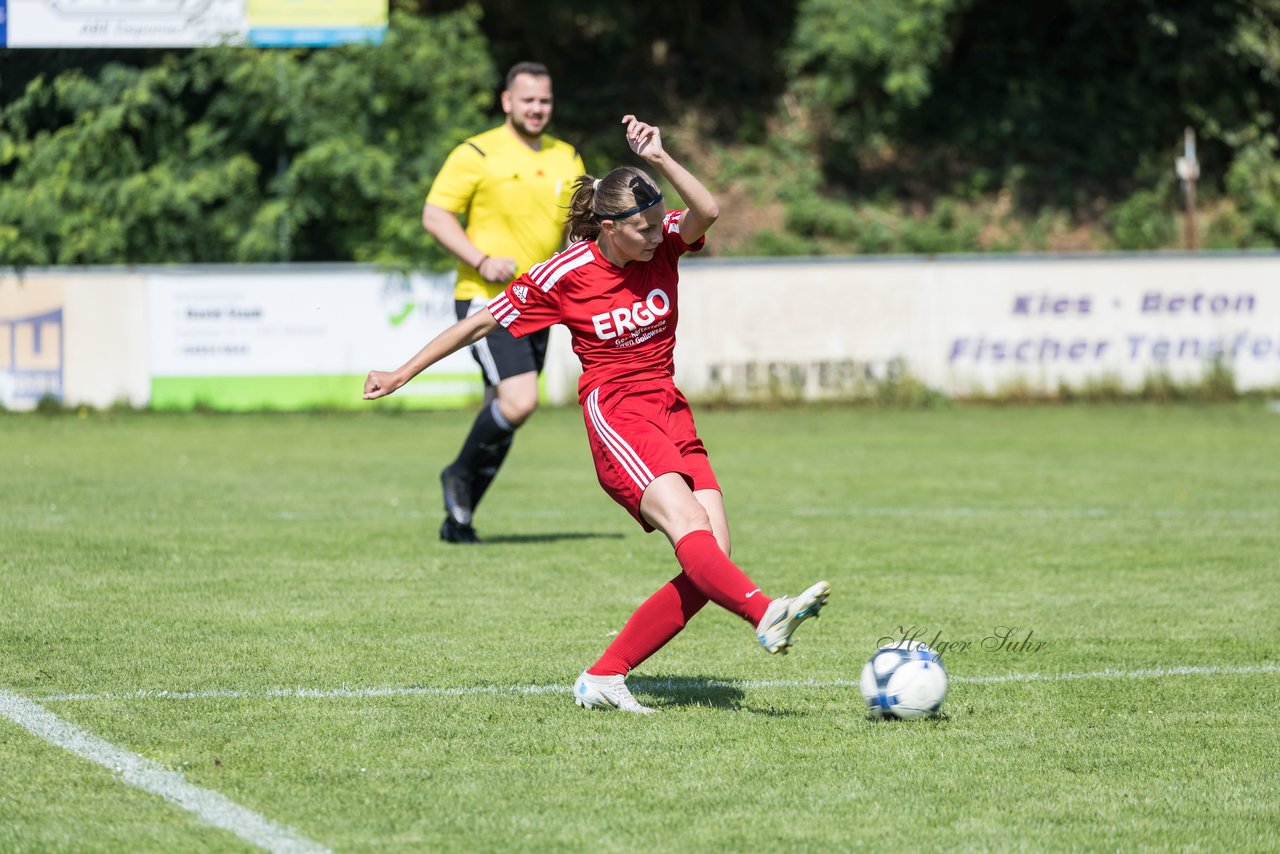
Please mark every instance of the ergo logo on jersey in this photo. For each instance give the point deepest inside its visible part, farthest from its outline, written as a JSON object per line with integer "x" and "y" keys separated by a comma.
{"x": 611, "y": 324}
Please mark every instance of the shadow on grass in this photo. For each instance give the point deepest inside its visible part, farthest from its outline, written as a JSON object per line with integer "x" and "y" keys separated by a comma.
{"x": 549, "y": 537}
{"x": 700, "y": 691}
{"x": 936, "y": 719}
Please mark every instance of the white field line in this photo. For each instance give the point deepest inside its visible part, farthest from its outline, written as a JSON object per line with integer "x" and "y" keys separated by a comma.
{"x": 644, "y": 683}
{"x": 1031, "y": 512}
{"x": 907, "y": 512}
{"x": 208, "y": 806}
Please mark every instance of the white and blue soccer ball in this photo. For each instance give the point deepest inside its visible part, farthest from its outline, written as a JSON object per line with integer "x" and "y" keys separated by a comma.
{"x": 904, "y": 680}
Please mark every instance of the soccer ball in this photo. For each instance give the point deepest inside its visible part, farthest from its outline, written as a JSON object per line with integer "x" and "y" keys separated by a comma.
{"x": 905, "y": 680}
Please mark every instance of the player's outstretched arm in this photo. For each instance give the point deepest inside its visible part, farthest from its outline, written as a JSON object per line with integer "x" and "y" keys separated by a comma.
{"x": 646, "y": 141}
{"x": 463, "y": 333}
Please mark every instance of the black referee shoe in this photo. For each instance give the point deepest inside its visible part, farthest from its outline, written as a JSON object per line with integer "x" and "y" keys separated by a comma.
{"x": 452, "y": 532}
{"x": 457, "y": 496}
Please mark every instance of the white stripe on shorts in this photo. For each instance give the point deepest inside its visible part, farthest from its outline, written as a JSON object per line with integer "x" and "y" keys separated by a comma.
{"x": 623, "y": 452}
{"x": 481, "y": 347}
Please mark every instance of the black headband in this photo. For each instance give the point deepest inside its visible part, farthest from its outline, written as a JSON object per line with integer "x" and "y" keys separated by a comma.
{"x": 630, "y": 212}
{"x": 636, "y": 183}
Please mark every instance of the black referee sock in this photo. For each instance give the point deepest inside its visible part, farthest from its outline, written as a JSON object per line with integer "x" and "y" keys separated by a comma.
{"x": 489, "y": 432}
{"x": 490, "y": 462}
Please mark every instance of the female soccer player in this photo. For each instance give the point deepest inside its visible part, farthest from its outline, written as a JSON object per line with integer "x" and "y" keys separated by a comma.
{"x": 615, "y": 288}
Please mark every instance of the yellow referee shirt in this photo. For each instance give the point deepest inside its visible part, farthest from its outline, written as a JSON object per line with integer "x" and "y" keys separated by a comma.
{"x": 515, "y": 199}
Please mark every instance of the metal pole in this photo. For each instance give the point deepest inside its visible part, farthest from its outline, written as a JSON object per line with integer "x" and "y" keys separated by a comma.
{"x": 1188, "y": 169}
{"x": 282, "y": 159}
{"x": 1191, "y": 215}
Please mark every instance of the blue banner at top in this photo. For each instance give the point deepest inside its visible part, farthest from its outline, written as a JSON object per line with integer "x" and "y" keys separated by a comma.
{"x": 4, "y": 30}
{"x": 314, "y": 36}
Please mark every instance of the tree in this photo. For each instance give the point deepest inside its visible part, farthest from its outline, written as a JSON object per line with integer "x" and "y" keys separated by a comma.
{"x": 707, "y": 61}
{"x": 877, "y": 125}
{"x": 237, "y": 154}
{"x": 1070, "y": 99}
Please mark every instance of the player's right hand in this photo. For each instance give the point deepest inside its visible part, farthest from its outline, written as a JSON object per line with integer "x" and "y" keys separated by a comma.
{"x": 380, "y": 384}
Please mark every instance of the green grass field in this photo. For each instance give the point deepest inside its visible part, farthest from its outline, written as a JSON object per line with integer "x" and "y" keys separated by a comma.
{"x": 232, "y": 560}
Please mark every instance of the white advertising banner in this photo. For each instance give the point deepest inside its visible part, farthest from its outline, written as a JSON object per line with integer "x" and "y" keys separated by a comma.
{"x": 297, "y": 337}
{"x": 189, "y": 23}
{"x": 1116, "y": 318}
{"x": 124, "y": 23}
{"x": 817, "y": 329}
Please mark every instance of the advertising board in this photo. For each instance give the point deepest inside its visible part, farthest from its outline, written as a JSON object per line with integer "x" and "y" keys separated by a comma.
{"x": 296, "y": 338}
{"x": 189, "y": 23}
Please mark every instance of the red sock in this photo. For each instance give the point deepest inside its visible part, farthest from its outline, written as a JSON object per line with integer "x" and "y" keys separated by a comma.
{"x": 655, "y": 622}
{"x": 719, "y": 578}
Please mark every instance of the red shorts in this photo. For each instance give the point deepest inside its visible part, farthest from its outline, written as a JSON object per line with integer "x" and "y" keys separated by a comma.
{"x": 639, "y": 431}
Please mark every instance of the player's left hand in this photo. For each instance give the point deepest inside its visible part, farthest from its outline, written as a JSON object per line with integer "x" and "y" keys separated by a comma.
{"x": 498, "y": 269}
{"x": 644, "y": 139}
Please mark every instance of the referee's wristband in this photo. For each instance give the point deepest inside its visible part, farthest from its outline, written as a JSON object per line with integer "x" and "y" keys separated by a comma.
{"x": 481, "y": 261}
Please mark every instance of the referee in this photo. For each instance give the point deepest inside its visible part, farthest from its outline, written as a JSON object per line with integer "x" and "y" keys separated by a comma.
{"x": 512, "y": 185}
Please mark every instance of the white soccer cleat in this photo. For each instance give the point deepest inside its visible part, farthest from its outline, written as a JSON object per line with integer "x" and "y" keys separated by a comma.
{"x": 606, "y": 692}
{"x": 786, "y": 613}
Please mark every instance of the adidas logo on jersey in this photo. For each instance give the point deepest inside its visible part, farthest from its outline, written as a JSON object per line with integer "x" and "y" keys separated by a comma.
{"x": 521, "y": 292}
{"x": 619, "y": 321}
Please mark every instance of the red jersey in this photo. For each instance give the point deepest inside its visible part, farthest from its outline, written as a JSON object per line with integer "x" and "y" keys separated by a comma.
{"x": 622, "y": 319}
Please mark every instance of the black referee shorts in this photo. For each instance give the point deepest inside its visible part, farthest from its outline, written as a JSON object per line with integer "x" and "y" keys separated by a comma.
{"x": 502, "y": 355}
